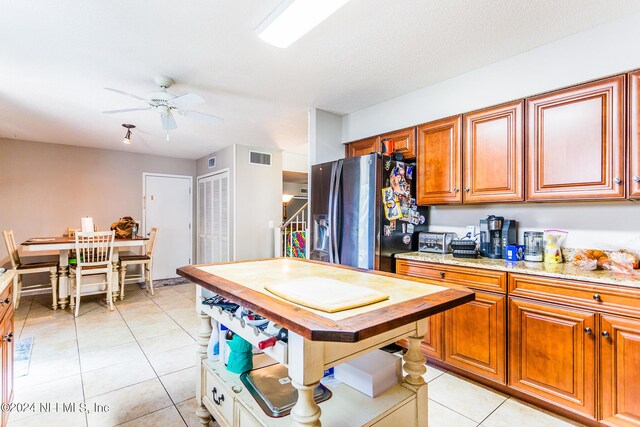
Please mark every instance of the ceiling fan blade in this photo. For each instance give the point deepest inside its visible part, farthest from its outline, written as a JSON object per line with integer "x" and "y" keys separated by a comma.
{"x": 126, "y": 110}
{"x": 168, "y": 122}
{"x": 202, "y": 116}
{"x": 126, "y": 94}
{"x": 187, "y": 100}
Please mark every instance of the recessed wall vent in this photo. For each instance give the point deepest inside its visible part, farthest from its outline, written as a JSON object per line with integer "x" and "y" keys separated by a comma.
{"x": 212, "y": 162}
{"x": 304, "y": 191}
{"x": 259, "y": 158}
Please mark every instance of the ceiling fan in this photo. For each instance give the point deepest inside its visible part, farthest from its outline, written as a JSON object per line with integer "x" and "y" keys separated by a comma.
{"x": 165, "y": 103}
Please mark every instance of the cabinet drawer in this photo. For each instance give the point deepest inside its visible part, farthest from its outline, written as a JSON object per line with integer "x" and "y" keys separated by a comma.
{"x": 471, "y": 277}
{"x": 217, "y": 398}
{"x": 7, "y": 294}
{"x": 404, "y": 141}
{"x": 614, "y": 299}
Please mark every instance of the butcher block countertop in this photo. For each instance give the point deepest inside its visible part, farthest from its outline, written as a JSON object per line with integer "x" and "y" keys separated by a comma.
{"x": 561, "y": 271}
{"x": 409, "y": 299}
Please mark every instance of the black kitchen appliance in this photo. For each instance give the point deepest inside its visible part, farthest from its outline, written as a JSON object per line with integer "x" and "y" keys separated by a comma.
{"x": 495, "y": 234}
{"x": 363, "y": 211}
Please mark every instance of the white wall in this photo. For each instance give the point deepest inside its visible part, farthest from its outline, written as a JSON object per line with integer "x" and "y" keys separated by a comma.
{"x": 258, "y": 204}
{"x": 583, "y": 56}
{"x": 294, "y": 188}
{"x": 325, "y": 137}
{"x": 295, "y": 162}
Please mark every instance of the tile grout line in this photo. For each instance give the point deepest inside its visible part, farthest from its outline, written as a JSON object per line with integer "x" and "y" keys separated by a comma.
{"x": 503, "y": 402}
{"x": 84, "y": 398}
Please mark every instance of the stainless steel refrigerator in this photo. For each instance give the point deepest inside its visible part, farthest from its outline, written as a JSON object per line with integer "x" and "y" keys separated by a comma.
{"x": 363, "y": 211}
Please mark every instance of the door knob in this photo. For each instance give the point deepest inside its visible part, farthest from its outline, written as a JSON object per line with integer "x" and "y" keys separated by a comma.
{"x": 597, "y": 297}
{"x": 456, "y": 190}
{"x": 442, "y": 274}
{"x": 606, "y": 334}
{"x": 467, "y": 189}
{"x": 636, "y": 178}
{"x": 617, "y": 180}
{"x": 588, "y": 330}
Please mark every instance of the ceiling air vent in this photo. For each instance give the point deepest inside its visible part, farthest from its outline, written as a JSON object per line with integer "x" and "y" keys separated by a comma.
{"x": 258, "y": 158}
{"x": 304, "y": 191}
{"x": 212, "y": 162}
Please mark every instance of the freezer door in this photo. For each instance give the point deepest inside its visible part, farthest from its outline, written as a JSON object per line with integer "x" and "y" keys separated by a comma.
{"x": 356, "y": 211}
{"x": 322, "y": 188}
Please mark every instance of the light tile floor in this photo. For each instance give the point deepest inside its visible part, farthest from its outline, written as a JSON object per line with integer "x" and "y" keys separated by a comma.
{"x": 139, "y": 360}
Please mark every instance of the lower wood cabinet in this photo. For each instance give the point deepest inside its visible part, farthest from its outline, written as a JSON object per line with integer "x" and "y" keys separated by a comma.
{"x": 431, "y": 345}
{"x": 620, "y": 370}
{"x": 474, "y": 336}
{"x": 552, "y": 354}
{"x": 7, "y": 337}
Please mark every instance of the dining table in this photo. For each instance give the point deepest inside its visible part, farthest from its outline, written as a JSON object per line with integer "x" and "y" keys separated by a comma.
{"x": 64, "y": 244}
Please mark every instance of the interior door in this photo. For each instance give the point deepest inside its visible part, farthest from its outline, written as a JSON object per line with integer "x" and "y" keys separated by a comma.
{"x": 168, "y": 207}
{"x": 213, "y": 219}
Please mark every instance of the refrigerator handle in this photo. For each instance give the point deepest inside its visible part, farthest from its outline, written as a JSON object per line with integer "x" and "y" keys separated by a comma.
{"x": 331, "y": 208}
{"x": 334, "y": 226}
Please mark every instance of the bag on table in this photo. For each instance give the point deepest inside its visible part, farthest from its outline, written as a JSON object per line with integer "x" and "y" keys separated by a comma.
{"x": 124, "y": 227}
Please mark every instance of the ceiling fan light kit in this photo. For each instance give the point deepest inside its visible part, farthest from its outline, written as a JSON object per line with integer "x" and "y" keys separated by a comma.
{"x": 165, "y": 103}
{"x": 127, "y": 137}
{"x": 293, "y": 19}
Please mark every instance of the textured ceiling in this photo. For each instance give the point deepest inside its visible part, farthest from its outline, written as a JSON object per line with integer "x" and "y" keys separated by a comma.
{"x": 57, "y": 56}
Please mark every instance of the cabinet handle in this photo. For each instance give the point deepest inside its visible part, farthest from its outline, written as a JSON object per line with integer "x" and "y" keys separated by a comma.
{"x": 218, "y": 401}
{"x": 588, "y": 330}
{"x": 9, "y": 337}
{"x": 617, "y": 180}
{"x": 456, "y": 190}
{"x": 606, "y": 334}
{"x": 7, "y": 301}
{"x": 442, "y": 274}
{"x": 636, "y": 178}
{"x": 597, "y": 297}
{"x": 467, "y": 189}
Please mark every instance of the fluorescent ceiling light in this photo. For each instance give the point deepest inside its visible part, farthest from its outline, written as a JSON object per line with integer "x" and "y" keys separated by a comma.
{"x": 293, "y": 19}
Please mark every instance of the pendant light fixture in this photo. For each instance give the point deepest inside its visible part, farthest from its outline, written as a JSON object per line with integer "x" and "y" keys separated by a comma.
{"x": 127, "y": 137}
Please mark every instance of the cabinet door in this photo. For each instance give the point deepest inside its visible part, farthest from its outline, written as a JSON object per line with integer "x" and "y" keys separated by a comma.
{"x": 438, "y": 162}
{"x": 404, "y": 141}
{"x": 552, "y": 354}
{"x": 474, "y": 337}
{"x": 362, "y": 147}
{"x": 634, "y": 136}
{"x": 575, "y": 142}
{"x": 431, "y": 345}
{"x": 493, "y": 154}
{"x": 620, "y": 370}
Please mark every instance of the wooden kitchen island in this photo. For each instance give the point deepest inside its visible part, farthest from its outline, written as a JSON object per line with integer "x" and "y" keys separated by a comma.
{"x": 317, "y": 341}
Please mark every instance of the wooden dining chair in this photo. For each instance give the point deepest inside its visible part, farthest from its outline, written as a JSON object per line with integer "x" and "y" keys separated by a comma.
{"x": 21, "y": 269}
{"x": 94, "y": 251}
{"x": 145, "y": 261}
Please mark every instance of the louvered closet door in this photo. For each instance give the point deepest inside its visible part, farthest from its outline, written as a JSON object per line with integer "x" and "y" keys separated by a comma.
{"x": 213, "y": 218}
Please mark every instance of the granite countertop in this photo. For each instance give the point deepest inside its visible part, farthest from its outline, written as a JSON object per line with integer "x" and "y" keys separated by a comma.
{"x": 5, "y": 279}
{"x": 562, "y": 271}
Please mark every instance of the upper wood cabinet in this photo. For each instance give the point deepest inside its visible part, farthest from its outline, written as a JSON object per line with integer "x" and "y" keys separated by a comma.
{"x": 575, "y": 142}
{"x": 404, "y": 141}
{"x": 620, "y": 370}
{"x": 552, "y": 354}
{"x": 633, "y": 180}
{"x": 362, "y": 147}
{"x": 493, "y": 154}
{"x": 439, "y": 162}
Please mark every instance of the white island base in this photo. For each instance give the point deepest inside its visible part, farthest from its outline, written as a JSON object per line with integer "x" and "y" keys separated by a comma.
{"x": 222, "y": 395}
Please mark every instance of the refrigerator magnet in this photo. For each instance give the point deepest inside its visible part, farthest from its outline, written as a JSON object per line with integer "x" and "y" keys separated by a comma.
{"x": 410, "y": 228}
{"x": 392, "y": 225}
{"x": 422, "y": 219}
{"x": 404, "y": 228}
{"x": 392, "y": 211}
{"x": 409, "y": 172}
{"x": 406, "y": 239}
{"x": 387, "y": 230}
{"x": 388, "y": 196}
{"x": 387, "y": 165}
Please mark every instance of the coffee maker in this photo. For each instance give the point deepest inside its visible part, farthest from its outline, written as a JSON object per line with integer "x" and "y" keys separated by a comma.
{"x": 495, "y": 234}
